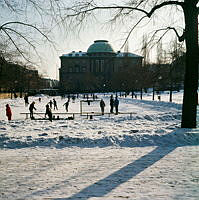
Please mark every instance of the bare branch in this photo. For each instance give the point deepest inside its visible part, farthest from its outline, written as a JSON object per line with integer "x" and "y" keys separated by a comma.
{"x": 16, "y": 46}
{"x": 166, "y": 3}
{"x": 22, "y": 36}
{"x": 130, "y": 32}
{"x": 180, "y": 38}
{"x": 166, "y": 31}
{"x": 10, "y": 6}
{"x": 83, "y": 12}
{"x": 25, "y": 24}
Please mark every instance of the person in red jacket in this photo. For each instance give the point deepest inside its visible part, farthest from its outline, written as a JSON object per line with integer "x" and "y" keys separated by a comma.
{"x": 8, "y": 112}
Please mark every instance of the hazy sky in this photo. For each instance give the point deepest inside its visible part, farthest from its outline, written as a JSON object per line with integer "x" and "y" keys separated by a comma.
{"x": 68, "y": 38}
{"x": 115, "y": 34}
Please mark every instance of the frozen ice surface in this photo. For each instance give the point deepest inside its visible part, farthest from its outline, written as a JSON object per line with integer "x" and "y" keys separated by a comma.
{"x": 140, "y": 157}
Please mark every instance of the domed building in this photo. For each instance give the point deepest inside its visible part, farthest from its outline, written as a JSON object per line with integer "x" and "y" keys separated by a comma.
{"x": 95, "y": 70}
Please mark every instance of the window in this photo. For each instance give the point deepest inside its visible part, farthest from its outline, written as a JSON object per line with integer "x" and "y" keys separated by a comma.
{"x": 92, "y": 66}
{"x": 97, "y": 65}
{"x": 83, "y": 69}
{"x": 77, "y": 68}
{"x": 70, "y": 69}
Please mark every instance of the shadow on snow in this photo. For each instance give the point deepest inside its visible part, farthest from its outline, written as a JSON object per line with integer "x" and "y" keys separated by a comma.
{"x": 106, "y": 185}
{"x": 109, "y": 183}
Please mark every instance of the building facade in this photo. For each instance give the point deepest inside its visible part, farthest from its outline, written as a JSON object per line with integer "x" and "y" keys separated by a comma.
{"x": 94, "y": 70}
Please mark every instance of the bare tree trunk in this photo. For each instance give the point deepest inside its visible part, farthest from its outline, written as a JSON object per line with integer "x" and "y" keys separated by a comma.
{"x": 171, "y": 84}
{"x": 141, "y": 92}
{"x": 189, "y": 110}
{"x": 153, "y": 98}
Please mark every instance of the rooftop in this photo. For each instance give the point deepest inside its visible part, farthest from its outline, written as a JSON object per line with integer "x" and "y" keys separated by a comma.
{"x": 100, "y": 46}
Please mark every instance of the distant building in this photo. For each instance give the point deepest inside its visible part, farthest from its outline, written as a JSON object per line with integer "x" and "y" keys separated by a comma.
{"x": 94, "y": 70}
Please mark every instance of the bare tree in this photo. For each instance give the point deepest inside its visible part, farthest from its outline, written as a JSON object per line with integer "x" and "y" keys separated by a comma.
{"x": 176, "y": 67}
{"x": 23, "y": 27}
{"x": 146, "y": 9}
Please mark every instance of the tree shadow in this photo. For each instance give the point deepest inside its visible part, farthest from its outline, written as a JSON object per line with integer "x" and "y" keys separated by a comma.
{"x": 109, "y": 183}
{"x": 163, "y": 146}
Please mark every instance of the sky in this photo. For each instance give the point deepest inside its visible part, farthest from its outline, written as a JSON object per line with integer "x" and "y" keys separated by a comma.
{"x": 68, "y": 38}
{"x": 115, "y": 34}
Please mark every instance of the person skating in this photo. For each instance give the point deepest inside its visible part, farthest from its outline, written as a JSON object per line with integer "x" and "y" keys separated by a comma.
{"x": 66, "y": 105}
{"x": 31, "y": 108}
{"x": 55, "y": 104}
{"x": 73, "y": 98}
{"x": 49, "y": 113}
{"x": 26, "y": 100}
{"x": 102, "y": 105}
{"x": 116, "y": 104}
{"x": 111, "y": 104}
{"x": 8, "y": 112}
{"x": 50, "y": 103}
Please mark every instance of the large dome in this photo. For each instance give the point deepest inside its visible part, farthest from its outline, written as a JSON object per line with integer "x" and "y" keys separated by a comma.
{"x": 100, "y": 46}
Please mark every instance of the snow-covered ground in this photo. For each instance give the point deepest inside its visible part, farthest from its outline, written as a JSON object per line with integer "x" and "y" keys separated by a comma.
{"x": 142, "y": 156}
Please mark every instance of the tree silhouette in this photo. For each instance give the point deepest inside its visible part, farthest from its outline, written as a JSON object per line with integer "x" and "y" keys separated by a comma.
{"x": 20, "y": 32}
{"x": 146, "y": 9}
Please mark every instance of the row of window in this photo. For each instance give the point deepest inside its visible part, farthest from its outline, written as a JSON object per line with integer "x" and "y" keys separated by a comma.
{"x": 96, "y": 66}
{"x": 77, "y": 69}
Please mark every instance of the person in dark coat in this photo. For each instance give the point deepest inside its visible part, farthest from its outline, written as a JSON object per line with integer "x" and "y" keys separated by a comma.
{"x": 102, "y": 105}
{"x": 49, "y": 113}
{"x": 116, "y": 104}
{"x": 55, "y": 104}
{"x": 51, "y": 104}
{"x": 31, "y": 108}
{"x": 111, "y": 104}
{"x": 73, "y": 98}
{"x": 26, "y": 100}
{"x": 66, "y": 105}
{"x": 8, "y": 112}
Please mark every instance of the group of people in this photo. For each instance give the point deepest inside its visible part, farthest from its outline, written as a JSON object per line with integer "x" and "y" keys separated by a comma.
{"x": 53, "y": 103}
{"x": 114, "y": 103}
{"x": 49, "y": 107}
{"x": 47, "y": 113}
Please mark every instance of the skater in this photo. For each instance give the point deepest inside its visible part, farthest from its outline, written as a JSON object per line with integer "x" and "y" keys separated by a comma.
{"x": 102, "y": 105}
{"x": 15, "y": 95}
{"x": 111, "y": 104}
{"x": 116, "y": 104}
{"x": 48, "y": 113}
{"x": 31, "y": 108}
{"x": 66, "y": 105}
{"x": 55, "y": 104}
{"x": 73, "y": 98}
{"x": 26, "y": 100}
{"x": 50, "y": 103}
{"x": 8, "y": 112}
